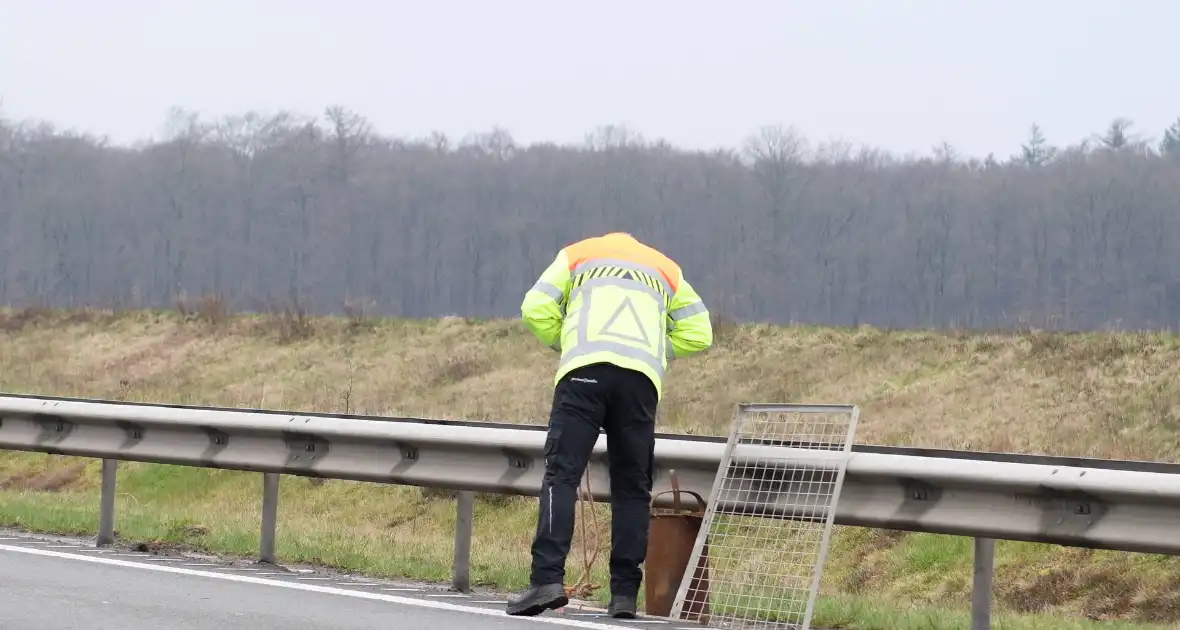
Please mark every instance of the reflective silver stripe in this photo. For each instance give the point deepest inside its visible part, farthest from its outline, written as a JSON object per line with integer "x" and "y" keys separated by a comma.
{"x": 583, "y": 316}
{"x": 549, "y": 289}
{"x": 623, "y": 283}
{"x": 622, "y": 264}
{"x": 669, "y": 351}
{"x": 631, "y": 352}
{"x": 664, "y": 346}
{"x": 696, "y": 308}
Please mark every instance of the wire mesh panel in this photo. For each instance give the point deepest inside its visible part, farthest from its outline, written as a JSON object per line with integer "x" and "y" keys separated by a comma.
{"x": 760, "y": 551}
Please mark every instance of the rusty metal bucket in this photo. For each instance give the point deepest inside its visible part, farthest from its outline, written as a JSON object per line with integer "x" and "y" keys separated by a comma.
{"x": 669, "y": 547}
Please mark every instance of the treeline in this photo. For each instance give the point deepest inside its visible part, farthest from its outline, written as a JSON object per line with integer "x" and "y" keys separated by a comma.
{"x": 325, "y": 211}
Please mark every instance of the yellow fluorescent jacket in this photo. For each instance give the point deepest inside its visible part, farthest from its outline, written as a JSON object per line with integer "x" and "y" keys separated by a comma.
{"x": 613, "y": 299}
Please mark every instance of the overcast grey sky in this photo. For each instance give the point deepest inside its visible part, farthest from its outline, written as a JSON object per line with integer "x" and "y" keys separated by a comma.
{"x": 900, "y": 74}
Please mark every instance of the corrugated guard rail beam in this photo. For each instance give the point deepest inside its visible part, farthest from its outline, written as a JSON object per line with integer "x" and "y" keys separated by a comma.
{"x": 1129, "y": 510}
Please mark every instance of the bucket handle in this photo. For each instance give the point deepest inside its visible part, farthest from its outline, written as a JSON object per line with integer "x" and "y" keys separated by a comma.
{"x": 676, "y": 493}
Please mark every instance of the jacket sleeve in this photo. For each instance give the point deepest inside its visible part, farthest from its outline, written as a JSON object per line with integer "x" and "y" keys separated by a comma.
{"x": 544, "y": 304}
{"x": 689, "y": 328}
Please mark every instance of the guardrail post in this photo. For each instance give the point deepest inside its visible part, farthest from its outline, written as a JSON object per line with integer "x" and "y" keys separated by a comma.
{"x": 270, "y": 509}
{"x": 981, "y": 590}
{"x": 106, "y": 504}
{"x": 464, "y": 519}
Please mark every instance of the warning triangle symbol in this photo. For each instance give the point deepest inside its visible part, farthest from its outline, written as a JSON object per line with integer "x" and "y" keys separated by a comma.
{"x": 625, "y": 324}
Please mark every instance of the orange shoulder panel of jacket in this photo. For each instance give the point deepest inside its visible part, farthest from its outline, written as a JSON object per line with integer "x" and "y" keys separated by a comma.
{"x": 626, "y": 248}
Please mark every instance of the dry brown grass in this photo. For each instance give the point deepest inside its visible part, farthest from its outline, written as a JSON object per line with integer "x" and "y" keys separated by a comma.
{"x": 44, "y": 480}
{"x": 1100, "y": 395}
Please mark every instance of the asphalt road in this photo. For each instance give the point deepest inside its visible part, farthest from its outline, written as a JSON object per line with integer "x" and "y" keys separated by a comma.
{"x": 45, "y": 585}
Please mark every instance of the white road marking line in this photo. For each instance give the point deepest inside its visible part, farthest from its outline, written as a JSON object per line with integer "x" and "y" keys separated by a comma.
{"x": 312, "y": 578}
{"x": 356, "y": 583}
{"x": 199, "y": 564}
{"x": 452, "y": 595}
{"x": 9, "y": 538}
{"x": 62, "y": 547}
{"x": 36, "y": 542}
{"x": 313, "y": 588}
{"x": 489, "y": 601}
{"x": 270, "y": 574}
{"x": 403, "y": 590}
{"x": 604, "y": 615}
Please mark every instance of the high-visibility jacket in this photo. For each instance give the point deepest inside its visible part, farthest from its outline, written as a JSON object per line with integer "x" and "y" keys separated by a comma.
{"x": 613, "y": 299}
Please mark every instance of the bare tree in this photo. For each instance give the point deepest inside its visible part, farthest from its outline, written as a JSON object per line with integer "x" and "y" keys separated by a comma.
{"x": 324, "y": 211}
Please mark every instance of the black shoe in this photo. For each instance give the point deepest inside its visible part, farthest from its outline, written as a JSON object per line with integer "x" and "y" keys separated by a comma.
{"x": 537, "y": 599}
{"x": 621, "y": 607}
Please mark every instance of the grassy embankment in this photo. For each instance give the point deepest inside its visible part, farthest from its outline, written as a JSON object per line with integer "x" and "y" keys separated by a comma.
{"x": 1103, "y": 395}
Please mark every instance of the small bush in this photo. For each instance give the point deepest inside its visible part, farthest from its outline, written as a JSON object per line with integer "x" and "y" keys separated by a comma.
{"x": 459, "y": 365}
{"x": 437, "y": 494}
{"x": 211, "y": 309}
{"x": 358, "y": 320}
{"x": 288, "y": 321}
{"x": 15, "y": 321}
{"x": 725, "y": 328}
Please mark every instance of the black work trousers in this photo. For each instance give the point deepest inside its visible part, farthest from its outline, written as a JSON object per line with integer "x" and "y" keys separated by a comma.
{"x": 623, "y": 402}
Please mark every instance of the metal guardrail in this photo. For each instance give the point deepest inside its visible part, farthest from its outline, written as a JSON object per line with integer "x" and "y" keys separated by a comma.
{"x": 1128, "y": 506}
